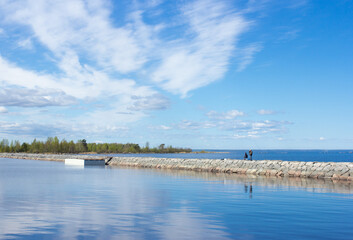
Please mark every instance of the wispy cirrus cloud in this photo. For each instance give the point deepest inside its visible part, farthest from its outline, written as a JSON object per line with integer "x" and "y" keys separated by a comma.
{"x": 82, "y": 31}
{"x": 125, "y": 63}
{"x": 247, "y": 55}
{"x": 26, "y": 43}
{"x": 213, "y": 32}
{"x": 80, "y": 26}
{"x": 76, "y": 32}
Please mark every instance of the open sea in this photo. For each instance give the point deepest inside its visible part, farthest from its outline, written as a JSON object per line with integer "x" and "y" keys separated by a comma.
{"x": 48, "y": 200}
{"x": 285, "y": 155}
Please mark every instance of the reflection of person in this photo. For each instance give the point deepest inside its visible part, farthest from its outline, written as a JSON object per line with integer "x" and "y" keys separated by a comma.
{"x": 245, "y": 156}
{"x": 250, "y": 192}
{"x": 250, "y": 153}
{"x": 246, "y": 189}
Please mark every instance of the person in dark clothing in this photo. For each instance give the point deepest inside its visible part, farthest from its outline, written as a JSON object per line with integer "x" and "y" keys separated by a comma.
{"x": 245, "y": 156}
{"x": 250, "y": 153}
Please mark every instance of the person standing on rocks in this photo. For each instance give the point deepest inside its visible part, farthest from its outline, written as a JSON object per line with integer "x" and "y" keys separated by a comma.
{"x": 250, "y": 153}
{"x": 245, "y": 156}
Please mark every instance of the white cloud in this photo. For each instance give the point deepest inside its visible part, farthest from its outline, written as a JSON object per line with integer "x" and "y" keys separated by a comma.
{"x": 289, "y": 35}
{"x": 153, "y": 102}
{"x": 3, "y": 109}
{"x": 60, "y": 128}
{"x": 23, "y": 97}
{"x": 214, "y": 31}
{"x": 31, "y": 129}
{"x": 96, "y": 58}
{"x": 225, "y": 116}
{"x": 161, "y": 127}
{"x": 239, "y": 129}
{"x": 322, "y": 138}
{"x": 74, "y": 30}
{"x": 189, "y": 125}
{"x": 154, "y": 3}
{"x": 266, "y": 112}
{"x": 247, "y": 55}
{"x": 254, "y": 129}
{"x": 83, "y": 27}
{"x": 79, "y": 82}
{"x": 26, "y": 43}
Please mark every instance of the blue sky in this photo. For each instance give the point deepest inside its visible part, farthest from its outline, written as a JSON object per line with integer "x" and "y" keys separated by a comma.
{"x": 200, "y": 74}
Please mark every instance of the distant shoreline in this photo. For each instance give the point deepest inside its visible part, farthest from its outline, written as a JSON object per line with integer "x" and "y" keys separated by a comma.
{"x": 278, "y": 168}
{"x": 202, "y": 151}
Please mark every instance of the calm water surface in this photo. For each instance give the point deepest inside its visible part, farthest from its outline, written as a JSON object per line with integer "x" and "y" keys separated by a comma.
{"x": 48, "y": 200}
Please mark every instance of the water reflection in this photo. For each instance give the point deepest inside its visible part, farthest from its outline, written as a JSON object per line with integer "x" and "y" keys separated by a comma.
{"x": 308, "y": 184}
{"x": 48, "y": 200}
{"x": 246, "y": 189}
{"x": 64, "y": 202}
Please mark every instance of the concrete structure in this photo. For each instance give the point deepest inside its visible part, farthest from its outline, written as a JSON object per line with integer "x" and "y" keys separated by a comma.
{"x": 85, "y": 162}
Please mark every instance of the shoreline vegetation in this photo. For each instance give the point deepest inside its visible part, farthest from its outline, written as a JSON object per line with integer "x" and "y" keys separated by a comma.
{"x": 56, "y": 146}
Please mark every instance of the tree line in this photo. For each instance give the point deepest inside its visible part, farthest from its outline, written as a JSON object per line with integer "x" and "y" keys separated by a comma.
{"x": 54, "y": 145}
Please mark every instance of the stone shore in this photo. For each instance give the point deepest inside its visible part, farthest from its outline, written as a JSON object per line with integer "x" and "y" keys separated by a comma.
{"x": 278, "y": 168}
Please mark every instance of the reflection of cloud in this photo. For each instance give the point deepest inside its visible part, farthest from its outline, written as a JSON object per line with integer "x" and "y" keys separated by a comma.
{"x": 114, "y": 203}
{"x": 308, "y": 184}
{"x": 189, "y": 223}
{"x": 70, "y": 203}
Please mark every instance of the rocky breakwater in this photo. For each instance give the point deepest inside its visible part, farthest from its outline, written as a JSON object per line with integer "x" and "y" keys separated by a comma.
{"x": 324, "y": 170}
{"x": 331, "y": 170}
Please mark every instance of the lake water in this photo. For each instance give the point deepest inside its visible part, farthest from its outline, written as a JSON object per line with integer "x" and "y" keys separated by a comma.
{"x": 286, "y": 155}
{"x": 48, "y": 200}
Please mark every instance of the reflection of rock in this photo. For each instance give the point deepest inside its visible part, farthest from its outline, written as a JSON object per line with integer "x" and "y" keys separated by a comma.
{"x": 317, "y": 170}
{"x": 309, "y": 184}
